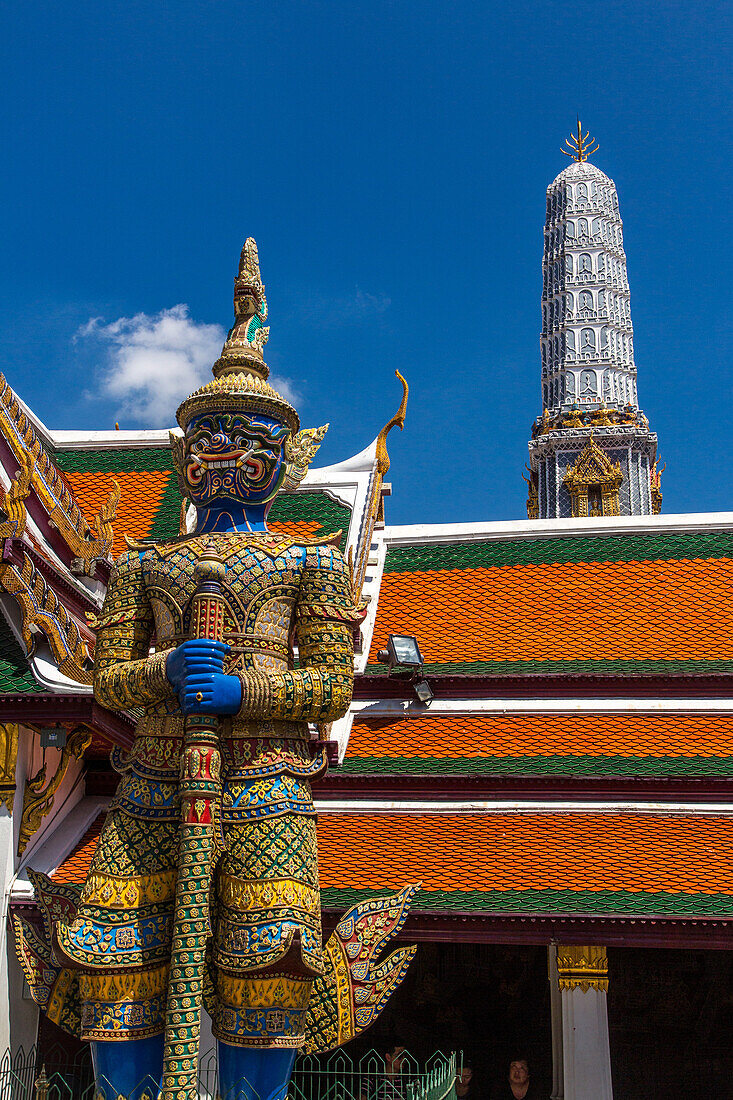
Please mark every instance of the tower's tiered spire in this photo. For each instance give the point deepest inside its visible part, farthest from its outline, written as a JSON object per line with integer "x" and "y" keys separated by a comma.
{"x": 587, "y": 350}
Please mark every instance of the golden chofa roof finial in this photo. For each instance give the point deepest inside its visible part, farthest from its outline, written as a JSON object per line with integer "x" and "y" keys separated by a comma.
{"x": 580, "y": 145}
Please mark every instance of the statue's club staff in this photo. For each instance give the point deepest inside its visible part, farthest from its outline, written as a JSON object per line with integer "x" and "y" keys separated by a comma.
{"x": 199, "y": 839}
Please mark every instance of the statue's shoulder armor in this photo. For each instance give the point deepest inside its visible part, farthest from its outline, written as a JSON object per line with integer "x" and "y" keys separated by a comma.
{"x": 128, "y": 562}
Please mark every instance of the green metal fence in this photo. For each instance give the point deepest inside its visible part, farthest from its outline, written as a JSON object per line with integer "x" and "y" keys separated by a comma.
{"x": 52, "y": 1074}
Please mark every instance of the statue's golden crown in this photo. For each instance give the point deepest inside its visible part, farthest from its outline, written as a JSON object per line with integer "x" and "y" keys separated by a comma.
{"x": 240, "y": 373}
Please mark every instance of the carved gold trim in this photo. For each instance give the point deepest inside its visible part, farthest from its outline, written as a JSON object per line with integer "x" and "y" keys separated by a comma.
{"x": 42, "y": 612}
{"x": 533, "y": 500}
{"x": 656, "y": 487}
{"x": 8, "y": 762}
{"x": 49, "y": 486}
{"x": 280, "y": 991}
{"x": 582, "y": 968}
{"x": 111, "y": 892}
{"x": 300, "y": 451}
{"x": 37, "y": 799}
{"x": 125, "y": 986}
{"x": 12, "y": 501}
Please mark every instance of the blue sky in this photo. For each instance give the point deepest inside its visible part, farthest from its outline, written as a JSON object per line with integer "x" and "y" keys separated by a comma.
{"x": 391, "y": 160}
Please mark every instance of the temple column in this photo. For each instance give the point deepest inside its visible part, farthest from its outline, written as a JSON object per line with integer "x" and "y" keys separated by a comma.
{"x": 583, "y": 984}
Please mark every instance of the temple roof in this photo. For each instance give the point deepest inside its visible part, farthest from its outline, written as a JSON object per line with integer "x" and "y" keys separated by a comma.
{"x": 550, "y": 861}
{"x": 571, "y": 742}
{"x": 642, "y": 596}
{"x": 150, "y": 501}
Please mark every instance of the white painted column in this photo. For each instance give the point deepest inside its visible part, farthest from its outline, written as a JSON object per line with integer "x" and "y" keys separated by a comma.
{"x": 583, "y": 983}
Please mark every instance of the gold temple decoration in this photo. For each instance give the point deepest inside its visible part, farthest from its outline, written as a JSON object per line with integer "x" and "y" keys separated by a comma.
{"x": 8, "y": 762}
{"x": 581, "y": 145}
{"x": 106, "y": 516}
{"x": 12, "y": 501}
{"x": 300, "y": 450}
{"x": 37, "y": 798}
{"x": 582, "y": 968}
{"x": 48, "y": 484}
{"x": 43, "y": 613}
{"x": 240, "y": 372}
{"x": 594, "y": 482}
{"x": 533, "y": 500}
{"x": 656, "y": 487}
{"x": 375, "y": 506}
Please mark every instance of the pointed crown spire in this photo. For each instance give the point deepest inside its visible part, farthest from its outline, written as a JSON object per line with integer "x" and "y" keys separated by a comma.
{"x": 240, "y": 372}
{"x": 580, "y": 145}
{"x": 247, "y": 336}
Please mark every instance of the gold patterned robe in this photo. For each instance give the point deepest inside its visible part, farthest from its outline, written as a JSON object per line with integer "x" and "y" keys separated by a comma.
{"x": 266, "y": 932}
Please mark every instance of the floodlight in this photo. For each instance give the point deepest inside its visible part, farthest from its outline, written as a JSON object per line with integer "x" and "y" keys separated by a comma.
{"x": 402, "y": 651}
{"x": 423, "y": 692}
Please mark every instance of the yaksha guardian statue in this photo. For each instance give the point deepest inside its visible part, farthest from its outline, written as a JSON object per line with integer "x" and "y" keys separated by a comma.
{"x": 210, "y": 846}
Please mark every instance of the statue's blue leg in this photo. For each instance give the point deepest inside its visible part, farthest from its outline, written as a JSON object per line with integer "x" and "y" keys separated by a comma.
{"x": 132, "y": 1068}
{"x": 254, "y": 1073}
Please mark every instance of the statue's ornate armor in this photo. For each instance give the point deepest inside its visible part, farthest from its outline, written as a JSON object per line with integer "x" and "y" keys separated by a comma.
{"x": 266, "y": 933}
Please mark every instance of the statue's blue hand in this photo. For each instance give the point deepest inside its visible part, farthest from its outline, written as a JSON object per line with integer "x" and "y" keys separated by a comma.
{"x": 195, "y": 656}
{"x": 211, "y": 693}
{"x": 196, "y": 668}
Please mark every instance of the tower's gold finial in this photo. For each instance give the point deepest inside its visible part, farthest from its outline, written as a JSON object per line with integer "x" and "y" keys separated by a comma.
{"x": 579, "y": 144}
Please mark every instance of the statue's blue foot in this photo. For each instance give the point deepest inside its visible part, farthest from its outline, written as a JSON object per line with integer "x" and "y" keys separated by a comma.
{"x": 254, "y": 1073}
{"x": 132, "y": 1068}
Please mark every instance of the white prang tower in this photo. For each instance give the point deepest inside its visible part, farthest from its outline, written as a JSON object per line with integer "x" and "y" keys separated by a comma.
{"x": 591, "y": 451}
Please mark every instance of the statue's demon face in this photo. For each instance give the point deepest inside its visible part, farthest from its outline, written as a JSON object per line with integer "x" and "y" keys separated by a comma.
{"x": 234, "y": 457}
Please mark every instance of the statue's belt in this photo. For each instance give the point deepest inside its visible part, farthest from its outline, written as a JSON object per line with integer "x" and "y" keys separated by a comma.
{"x": 244, "y": 642}
{"x": 230, "y": 728}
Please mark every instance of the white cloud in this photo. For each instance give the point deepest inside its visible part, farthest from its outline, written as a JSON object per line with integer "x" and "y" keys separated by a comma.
{"x": 155, "y": 361}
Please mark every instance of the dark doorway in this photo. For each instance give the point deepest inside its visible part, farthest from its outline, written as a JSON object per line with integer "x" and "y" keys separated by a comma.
{"x": 490, "y": 1001}
{"x": 670, "y": 1018}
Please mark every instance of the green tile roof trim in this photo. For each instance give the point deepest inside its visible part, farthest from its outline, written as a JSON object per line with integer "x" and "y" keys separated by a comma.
{"x": 574, "y": 766}
{"x": 597, "y": 903}
{"x": 627, "y": 547}
{"x": 113, "y": 460}
{"x": 641, "y": 666}
{"x": 16, "y": 677}
{"x": 312, "y": 506}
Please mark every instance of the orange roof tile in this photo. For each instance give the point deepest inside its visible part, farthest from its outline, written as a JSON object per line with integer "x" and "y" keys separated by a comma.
{"x": 597, "y": 611}
{"x": 141, "y": 495}
{"x": 76, "y": 865}
{"x": 544, "y": 734}
{"x": 595, "y": 862}
{"x": 515, "y": 852}
{"x": 626, "y": 602}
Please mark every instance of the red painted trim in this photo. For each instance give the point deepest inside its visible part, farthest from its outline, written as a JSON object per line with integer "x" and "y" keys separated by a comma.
{"x": 336, "y": 785}
{"x": 553, "y": 685}
{"x": 115, "y": 729}
{"x": 697, "y": 932}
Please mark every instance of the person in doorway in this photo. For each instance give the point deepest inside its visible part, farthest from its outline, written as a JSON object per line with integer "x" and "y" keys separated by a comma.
{"x": 465, "y": 1087}
{"x": 517, "y": 1085}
